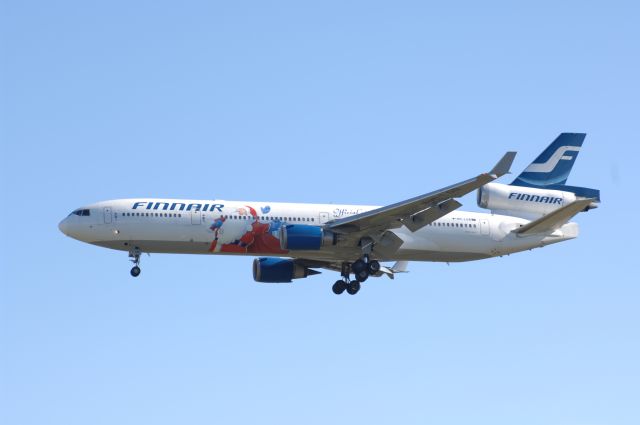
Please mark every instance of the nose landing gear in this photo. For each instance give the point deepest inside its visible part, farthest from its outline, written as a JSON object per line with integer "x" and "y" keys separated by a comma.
{"x": 135, "y": 259}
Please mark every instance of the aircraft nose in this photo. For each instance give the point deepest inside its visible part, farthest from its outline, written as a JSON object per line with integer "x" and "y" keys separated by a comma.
{"x": 64, "y": 227}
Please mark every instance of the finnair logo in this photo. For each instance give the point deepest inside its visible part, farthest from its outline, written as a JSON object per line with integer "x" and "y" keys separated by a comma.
{"x": 535, "y": 198}
{"x": 553, "y": 160}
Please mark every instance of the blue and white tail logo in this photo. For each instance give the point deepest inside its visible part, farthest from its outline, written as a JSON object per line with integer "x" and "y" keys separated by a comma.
{"x": 552, "y": 167}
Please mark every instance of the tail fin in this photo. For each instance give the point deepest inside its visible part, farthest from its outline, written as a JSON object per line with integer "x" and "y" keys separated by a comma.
{"x": 552, "y": 167}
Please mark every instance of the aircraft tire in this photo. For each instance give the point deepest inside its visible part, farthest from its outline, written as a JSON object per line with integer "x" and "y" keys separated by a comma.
{"x": 374, "y": 267}
{"x": 339, "y": 287}
{"x": 135, "y": 271}
{"x": 358, "y": 266}
{"x": 353, "y": 287}
{"x": 362, "y": 276}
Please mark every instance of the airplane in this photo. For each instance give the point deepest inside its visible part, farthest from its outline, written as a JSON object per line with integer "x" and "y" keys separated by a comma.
{"x": 291, "y": 241}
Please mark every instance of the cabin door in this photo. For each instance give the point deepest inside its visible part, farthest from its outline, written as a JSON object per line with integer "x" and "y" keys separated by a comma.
{"x": 196, "y": 217}
{"x": 484, "y": 227}
{"x": 107, "y": 215}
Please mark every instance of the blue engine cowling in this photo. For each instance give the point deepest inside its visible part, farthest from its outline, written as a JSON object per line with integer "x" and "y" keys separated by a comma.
{"x": 304, "y": 237}
{"x": 278, "y": 270}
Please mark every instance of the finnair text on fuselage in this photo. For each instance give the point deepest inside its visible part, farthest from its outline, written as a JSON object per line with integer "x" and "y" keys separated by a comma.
{"x": 177, "y": 206}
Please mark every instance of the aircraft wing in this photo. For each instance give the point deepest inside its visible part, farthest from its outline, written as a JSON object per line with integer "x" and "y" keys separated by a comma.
{"x": 420, "y": 211}
{"x": 554, "y": 220}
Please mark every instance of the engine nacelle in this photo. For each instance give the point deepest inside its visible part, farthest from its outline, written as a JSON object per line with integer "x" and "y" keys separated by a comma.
{"x": 305, "y": 237}
{"x": 526, "y": 202}
{"x": 278, "y": 270}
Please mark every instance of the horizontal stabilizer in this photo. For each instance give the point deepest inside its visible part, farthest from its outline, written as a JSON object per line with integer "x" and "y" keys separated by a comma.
{"x": 553, "y": 220}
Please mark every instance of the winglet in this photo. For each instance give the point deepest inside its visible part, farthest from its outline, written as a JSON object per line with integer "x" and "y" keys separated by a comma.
{"x": 503, "y": 166}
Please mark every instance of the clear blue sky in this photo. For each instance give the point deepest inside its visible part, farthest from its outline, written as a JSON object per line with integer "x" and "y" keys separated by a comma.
{"x": 346, "y": 102}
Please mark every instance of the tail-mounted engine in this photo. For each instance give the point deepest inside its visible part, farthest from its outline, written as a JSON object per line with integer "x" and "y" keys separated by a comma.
{"x": 520, "y": 201}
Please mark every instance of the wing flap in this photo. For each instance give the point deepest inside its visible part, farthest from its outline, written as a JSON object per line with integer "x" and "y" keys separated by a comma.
{"x": 431, "y": 214}
{"x": 553, "y": 220}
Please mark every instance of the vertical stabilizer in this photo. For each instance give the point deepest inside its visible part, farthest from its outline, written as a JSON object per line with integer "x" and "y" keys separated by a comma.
{"x": 553, "y": 165}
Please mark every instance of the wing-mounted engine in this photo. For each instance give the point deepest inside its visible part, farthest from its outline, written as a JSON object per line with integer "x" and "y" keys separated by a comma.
{"x": 279, "y": 270}
{"x": 305, "y": 237}
{"x": 520, "y": 201}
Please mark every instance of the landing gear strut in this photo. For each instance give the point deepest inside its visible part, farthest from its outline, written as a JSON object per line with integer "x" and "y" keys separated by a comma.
{"x": 362, "y": 269}
{"x": 351, "y": 286}
{"x": 135, "y": 259}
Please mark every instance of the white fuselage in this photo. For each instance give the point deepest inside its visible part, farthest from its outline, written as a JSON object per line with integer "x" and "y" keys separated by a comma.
{"x": 252, "y": 228}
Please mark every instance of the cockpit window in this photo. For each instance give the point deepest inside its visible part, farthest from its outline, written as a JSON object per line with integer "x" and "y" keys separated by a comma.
{"x": 81, "y": 212}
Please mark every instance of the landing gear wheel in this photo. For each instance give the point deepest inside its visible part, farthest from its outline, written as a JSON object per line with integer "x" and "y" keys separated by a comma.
{"x": 374, "y": 267}
{"x": 353, "y": 287}
{"x": 358, "y": 266}
{"x": 362, "y": 276}
{"x": 135, "y": 271}
{"x": 339, "y": 287}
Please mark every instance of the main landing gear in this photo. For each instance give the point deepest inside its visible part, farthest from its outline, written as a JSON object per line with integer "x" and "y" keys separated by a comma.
{"x": 352, "y": 287}
{"x": 135, "y": 259}
{"x": 362, "y": 269}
